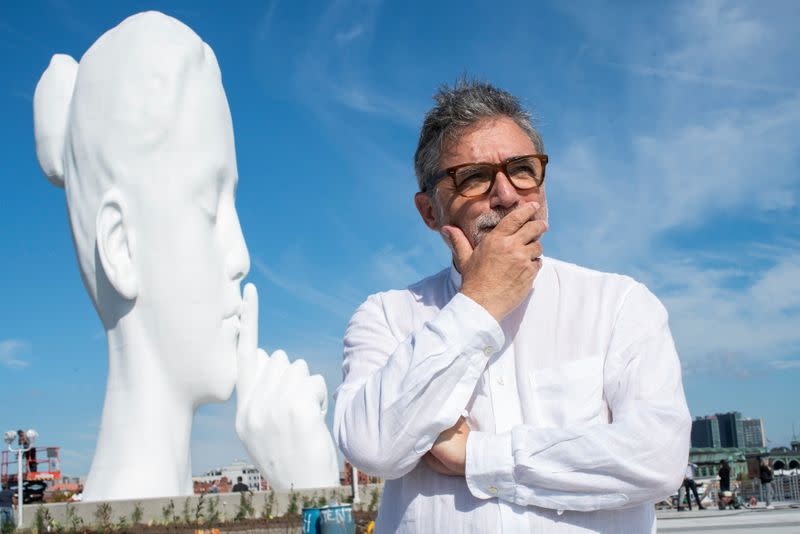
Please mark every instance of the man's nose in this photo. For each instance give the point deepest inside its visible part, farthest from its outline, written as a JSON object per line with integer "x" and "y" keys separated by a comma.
{"x": 503, "y": 193}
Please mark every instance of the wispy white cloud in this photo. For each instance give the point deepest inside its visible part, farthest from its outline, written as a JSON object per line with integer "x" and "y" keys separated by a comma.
{"x": 354, "y": 32}
{"x": 713, "y": 149}
{"x": 304, "y": 291}
{"x": 785, "y": 364}
{"x": 12, "y": 352}
{"x": 716, "y": 318}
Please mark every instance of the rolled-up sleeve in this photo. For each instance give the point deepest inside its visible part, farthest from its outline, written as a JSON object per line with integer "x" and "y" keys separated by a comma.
{"x": 397, "y": 396}
{"x": 638, "y": 457}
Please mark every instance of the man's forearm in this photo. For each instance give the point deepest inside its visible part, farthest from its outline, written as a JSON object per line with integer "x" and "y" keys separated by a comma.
{"x": 386, "y": 422}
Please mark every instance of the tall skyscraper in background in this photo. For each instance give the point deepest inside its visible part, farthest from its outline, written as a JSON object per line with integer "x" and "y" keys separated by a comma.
{"x": 705, "y": 432}
{"x": 754, "y": 435}
{"x": 731, "y": 431}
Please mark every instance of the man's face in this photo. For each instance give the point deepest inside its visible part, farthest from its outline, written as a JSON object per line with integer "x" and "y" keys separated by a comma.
{"x": 189, "y": 251}
{"x": 491, "y": 140}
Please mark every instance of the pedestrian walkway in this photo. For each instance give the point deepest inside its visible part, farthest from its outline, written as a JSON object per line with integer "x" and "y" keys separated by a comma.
{"x": 784, "y": 519}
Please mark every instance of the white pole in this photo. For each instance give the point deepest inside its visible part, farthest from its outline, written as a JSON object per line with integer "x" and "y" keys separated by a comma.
{"x": 19, "y": 488}
{"x": 356, "y": 498}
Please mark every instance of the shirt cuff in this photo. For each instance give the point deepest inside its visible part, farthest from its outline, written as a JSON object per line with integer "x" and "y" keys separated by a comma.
{"x": 489, "y": 468}
{"x": 469, "y": 316}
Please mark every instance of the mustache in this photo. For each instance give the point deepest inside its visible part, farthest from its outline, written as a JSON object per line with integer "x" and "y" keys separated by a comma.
{"x": 492, "y": 218}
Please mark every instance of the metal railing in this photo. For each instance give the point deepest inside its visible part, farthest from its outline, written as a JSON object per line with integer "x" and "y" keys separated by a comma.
{"x": 784, "y": 488}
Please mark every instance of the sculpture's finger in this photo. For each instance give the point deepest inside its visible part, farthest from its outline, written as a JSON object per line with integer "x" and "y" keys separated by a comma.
{"x": 279, "y": 360}
{"x": 247, "y": 351}
{"x": 319, "y": 392}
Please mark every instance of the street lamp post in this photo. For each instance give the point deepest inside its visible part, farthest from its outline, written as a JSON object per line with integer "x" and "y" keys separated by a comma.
{"x": 9, "y": 438}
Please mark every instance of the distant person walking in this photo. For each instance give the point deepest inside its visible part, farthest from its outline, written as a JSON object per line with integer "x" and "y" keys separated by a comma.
{"x": 724, "y": 476}
{"x": 7, "y": 501}
{"x": 691, "y": 485}
{"x": 765, "y": 473}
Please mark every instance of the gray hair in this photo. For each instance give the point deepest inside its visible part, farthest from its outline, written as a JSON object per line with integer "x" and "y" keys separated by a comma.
{"x": 457, "y": 108}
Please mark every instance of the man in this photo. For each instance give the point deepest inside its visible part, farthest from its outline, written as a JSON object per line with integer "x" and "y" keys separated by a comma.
{"x": 724, "y": 476}
{"x": 29, "y": 453}
{"x": 510, "y": 392}
{"x": 8, "y": 499}
{"x": 691, "y": 486}
{"x": 765, "y": 474}
{"x": 240, "y": 486}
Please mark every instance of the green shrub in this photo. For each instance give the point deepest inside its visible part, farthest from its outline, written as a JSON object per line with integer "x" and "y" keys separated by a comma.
{"x": 102, "y": 516}
{"x": 213, "y": 510}
{"x": 293, "y": 508}
{"x": 73, "y": 521}
{"x": 245, "y": 506}
{"x": 168, "y": 513}
{"x": 137, "y": 514}
{"x": 198, "y": 510}
{"x": 269, "y": 506}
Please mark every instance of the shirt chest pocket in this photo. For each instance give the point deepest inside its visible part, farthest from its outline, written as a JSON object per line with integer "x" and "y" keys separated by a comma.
{"x": 570, "y": 393}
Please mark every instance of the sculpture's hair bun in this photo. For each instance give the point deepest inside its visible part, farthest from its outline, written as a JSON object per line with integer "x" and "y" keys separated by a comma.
{"x": 51, "y": 103}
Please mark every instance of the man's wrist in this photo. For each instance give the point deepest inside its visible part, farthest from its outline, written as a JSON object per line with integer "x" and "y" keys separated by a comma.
{"x": 484, "y": 302}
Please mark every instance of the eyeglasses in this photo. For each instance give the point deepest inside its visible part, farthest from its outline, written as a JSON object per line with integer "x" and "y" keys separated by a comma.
{"x": 476, "y": 179}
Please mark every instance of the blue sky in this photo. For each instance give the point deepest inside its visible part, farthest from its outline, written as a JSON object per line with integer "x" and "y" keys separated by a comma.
{"x": 672, "y": 130}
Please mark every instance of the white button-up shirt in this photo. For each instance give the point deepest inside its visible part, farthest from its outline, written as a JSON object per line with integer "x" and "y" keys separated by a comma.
{"x": 575, "y": 403}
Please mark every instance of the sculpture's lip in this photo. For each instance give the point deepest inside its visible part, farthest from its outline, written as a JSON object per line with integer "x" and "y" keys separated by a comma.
{"x": 235, "y": 312}
{"x": 234, "y": 321}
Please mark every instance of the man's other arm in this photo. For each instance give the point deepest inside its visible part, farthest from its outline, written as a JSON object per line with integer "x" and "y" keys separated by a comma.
{"x": 398, "y": 396}
{"x": 640, "y": 457}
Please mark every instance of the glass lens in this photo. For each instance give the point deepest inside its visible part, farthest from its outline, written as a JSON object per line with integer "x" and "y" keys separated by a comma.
{"x": 474, "y": 180}
{"x": 526, "y": 173}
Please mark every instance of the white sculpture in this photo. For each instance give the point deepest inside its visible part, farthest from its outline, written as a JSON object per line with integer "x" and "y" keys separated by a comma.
{"x": 140, "y": 136}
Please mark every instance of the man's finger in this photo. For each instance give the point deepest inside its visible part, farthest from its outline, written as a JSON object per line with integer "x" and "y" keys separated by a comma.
{"x": 513, "y": 221}
{"x": 531, "y": 231}
{"x": 247, "y": 348}
{"x": 458, "y": 243}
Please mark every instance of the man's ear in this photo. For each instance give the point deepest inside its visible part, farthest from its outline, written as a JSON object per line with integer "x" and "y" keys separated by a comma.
{"x": 425, "y": 207}
{"x": 114, "y": 242}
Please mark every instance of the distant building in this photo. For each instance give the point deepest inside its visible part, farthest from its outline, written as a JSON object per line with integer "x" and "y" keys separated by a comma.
{"x": 705, "y": 432}
{"x": 346, "y": 476}
{"x": 731, "y": 431}
{"x": 754, "y": 435}
{"x": 221, "y": 480}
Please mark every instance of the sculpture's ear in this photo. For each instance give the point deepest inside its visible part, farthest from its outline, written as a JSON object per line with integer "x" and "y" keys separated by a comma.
{"x": 114, "y": 242}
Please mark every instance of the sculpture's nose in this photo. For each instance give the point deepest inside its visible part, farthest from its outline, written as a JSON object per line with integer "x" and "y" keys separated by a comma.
{"x": 238, "y": 264}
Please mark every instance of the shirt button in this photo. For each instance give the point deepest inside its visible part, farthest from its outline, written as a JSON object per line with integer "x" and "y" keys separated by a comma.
{"x": 488, "y": 351}
{"x": 492, "y": 490}
{"x": 500, "y": 381}
{"x": 560, "y": 512}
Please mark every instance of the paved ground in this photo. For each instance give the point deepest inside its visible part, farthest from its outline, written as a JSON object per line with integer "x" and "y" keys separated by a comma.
{"x": 782, "y": 520}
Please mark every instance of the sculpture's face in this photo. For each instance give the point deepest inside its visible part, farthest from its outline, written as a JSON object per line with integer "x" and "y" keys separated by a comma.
{"x": 188, "y": 248}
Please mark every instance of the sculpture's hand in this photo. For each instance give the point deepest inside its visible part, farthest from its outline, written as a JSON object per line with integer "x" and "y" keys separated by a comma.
{"x": 280, "y": 413}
